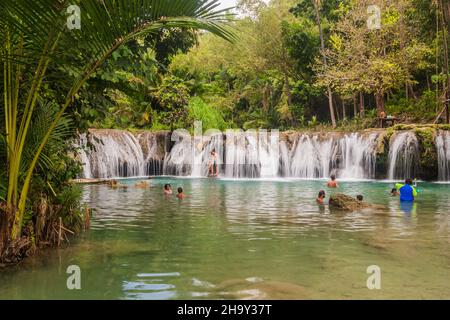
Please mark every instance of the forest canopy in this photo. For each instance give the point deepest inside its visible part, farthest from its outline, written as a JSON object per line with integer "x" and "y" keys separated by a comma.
{"x": 294, "y": 64}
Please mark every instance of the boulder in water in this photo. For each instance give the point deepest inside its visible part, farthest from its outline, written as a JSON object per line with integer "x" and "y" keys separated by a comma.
{"x": 344, "y": 202}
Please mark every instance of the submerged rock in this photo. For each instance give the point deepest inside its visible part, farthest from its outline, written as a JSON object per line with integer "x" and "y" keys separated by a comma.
{"x": 258, "y": 289}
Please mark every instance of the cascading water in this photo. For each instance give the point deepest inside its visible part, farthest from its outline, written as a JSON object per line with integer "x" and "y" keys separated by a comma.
{"x": 403, "y": 156}
{"x": 358, "y": 156}
{"x": 178, "y": 161}
{"x": 311, "y": 157}
{"x": 285, "y": 170}
{"x": 241, "y": 155}
{"x": 115, "y": 153}
{"x": 443, "y": 150}
{"x": 250, "y": 154}
{"x": 349, "y": 156}
{"x": 191, "y": 156}
{"x": 254, "y": 154}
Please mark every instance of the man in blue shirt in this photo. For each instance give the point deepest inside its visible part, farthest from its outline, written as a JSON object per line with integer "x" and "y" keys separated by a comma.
{"x": 407, "y": 191}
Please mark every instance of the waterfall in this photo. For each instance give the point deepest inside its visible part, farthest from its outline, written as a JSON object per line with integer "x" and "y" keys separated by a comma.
{"x": 311, "y": 157}
{"x": 178, "y": 161}
{"x": 250, "y": 154}
{"x": 285, "y": 170}
{"x": 241, "y": 155}
{"x": 348, "y": 156}
{"x": 115, "y": 153}
{"x": 443, "y": 150}
{"x": 254, "y": 154}
{"x": 403, "y": 156}
{"x": 191, "y": 156}
{"x": 358, "y": 156}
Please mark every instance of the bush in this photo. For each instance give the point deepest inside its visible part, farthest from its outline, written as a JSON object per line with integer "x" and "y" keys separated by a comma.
{"x": 422, "y": 109}
{"x": 210, "y": 116}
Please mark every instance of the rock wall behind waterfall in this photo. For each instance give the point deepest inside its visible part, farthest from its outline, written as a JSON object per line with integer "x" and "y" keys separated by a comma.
{"x": 380, "y": 154}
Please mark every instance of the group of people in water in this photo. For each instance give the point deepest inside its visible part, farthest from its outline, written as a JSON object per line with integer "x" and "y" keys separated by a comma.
{"x": 332, "y": 183}
{"x": 407, "y": 191}
{"x": 167, "y": 190}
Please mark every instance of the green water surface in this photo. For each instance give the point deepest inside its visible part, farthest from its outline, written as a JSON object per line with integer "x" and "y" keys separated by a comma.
{"x": 246, "y": 239}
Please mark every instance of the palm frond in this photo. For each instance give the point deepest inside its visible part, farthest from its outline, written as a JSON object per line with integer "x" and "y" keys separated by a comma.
{"x": 58, "y": 138}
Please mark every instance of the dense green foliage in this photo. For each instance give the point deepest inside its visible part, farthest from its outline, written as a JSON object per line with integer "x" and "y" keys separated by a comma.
{"x": 276, "y": 76}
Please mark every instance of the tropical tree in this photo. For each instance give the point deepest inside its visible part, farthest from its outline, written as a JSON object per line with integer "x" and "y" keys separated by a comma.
{"x": 40, "y": 35}
{"x": 377, "y": 60}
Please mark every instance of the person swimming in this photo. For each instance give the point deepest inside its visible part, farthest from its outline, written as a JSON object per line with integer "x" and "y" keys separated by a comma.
{"x": 394, "y": 192}
{"x": 320, "y": 198}
{"x": 359, "y": 197}
{"x": 142, "y": 185}
{"x": 180, "y": 194}
{"x": 167, "y": 189}
{"x": 213, "y": 168}
{"x": 407, "y": 191}
{"x": 113, "y": 183}
{"x": 332, "y": 183}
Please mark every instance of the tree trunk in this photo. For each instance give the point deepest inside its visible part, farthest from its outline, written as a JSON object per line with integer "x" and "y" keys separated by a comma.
{"x": 344, "y": 115}
{"x": 411, "y": 90}
{"x": 336, "y": 110}
{"x": 266, "y": 98}
{"x": 361, "y": 104}
{"x": 379, "y": 98}
{"x": 287, "y": 88}
{"x": 4, "y": 229}
{"x": 355, "y": 107}
{"x": 447, "y": 111}
{"x": 445, "y": 17}
{"x": 322, "y": 44}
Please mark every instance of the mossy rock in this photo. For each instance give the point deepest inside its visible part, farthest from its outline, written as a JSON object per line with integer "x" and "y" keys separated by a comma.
{"x": 382, "y": 155}
{"x": 428, "y": 152}
{"x": 444, "y": 127}
{"x": 344, "y": 202}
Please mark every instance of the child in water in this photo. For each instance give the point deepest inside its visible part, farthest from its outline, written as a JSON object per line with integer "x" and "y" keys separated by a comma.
{"x": 332, "y": 183}
{"x": 320, "y": 197}
{"x": 394, "y": 192}
{"x": 168, "y": 189}
{"x": 180, "y": 194}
